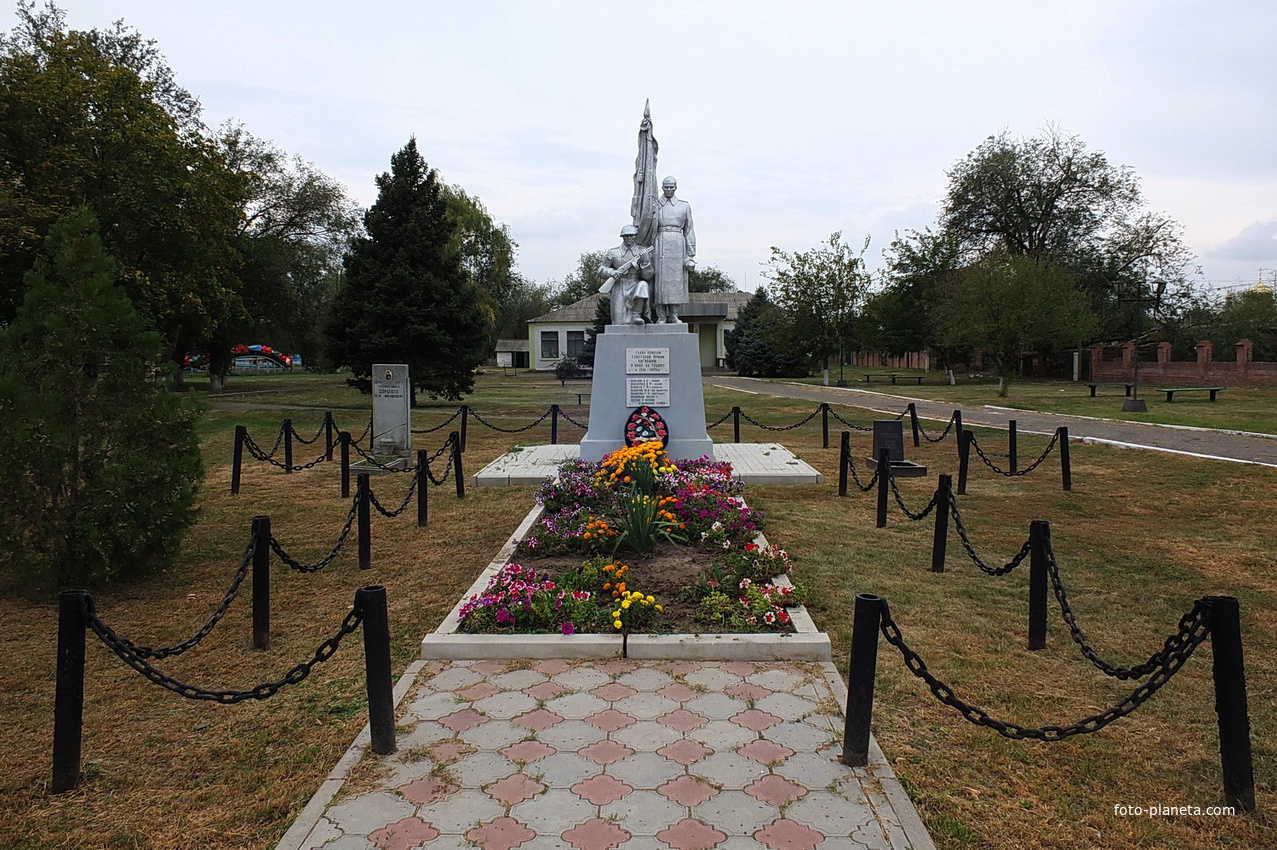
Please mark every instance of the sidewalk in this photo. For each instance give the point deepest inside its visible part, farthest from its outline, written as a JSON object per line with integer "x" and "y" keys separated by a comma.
{"x": 597, "y": 754}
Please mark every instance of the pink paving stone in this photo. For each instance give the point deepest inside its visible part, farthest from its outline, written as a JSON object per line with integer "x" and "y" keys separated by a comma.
{"x": 605, "y": 751}
{"x": 426, "y": 790}
{"x": 553, "y": 667}
{"x": 596, "y": 834}
{"x": 614, "y": 668}
{"x": 540, "y": 719}
{"x": 514, "y": 789}
{"x": 488, "y": 668}
{"x": 755, "y": 719}
{"x": 613, "y": 691}
{"x": 684, "y": 752}
{"x": 451, "y": 751}
{"x": 739, "y": 668}
{"x": 690, "y": 834}
{"x": 774, "y": 789}
{"x": 748, "y": 690}
{"x": 483, "y": 690}
{"x": 681, "y": 668}
{"x": 687, "y": 791}
{"x": 601, "y": 789}
{"x": 682, "y": 720}
{"x": 678, "y": 692}
{"x": 785, "y": 834}
{"x": 403, "y": 834}
{"x": 765, "y": 752}
{"x": 500, "y": 834}
{"x": 528, "y": 751}
{"x": 460, "y": 721}
{"x": 544, "y": 690}
{"x": 610, "y": 720}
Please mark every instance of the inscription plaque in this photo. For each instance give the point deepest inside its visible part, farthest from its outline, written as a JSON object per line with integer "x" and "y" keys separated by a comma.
{"x": 654, "y": 392}
{"x": 647, "y": 361}
{"x": 889, "y": 435}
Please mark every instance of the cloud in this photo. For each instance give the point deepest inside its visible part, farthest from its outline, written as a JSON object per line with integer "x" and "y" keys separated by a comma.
{"x": 1256, "y": 243}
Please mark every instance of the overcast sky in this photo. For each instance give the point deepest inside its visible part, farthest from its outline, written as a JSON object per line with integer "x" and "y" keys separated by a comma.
{"x": 783, "y": 121}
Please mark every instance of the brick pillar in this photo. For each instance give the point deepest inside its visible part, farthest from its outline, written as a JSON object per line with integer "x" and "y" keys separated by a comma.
{"x": 1203, "y": 356}
{"x": 1163, "y": 352}
{"x": 1128, "y": 358}
{"x": 1097, "y": 361}
{"x": 1245, "y": 354}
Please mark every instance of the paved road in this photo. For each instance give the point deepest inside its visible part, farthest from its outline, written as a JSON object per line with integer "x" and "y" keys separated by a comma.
{"x": 1223, "y": 445}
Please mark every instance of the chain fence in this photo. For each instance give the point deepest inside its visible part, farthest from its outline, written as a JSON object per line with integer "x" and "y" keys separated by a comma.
{"x": 582, "y": 426}
{"x": 130, "y": 656}
{"x": 288, "y": 559}
{"x": 855, "y": 477}
{"x": 970, "y": 549}
{"x": 441, "y": 425}
{"x": 256, "y": 452}
{"x": 895, "y": 491}
{"x": 947, "y": 428}
{"x": 799, "y": 424}
{"x": 412, "y": 488}
{"x": 322, "y": 428}
{"x": 851, "y": 425}
{"x": 719, "y": 421}
{"x": 989, "y": 463}
{"x": 1192, "y": 632}
{"x": 487, "y": 424}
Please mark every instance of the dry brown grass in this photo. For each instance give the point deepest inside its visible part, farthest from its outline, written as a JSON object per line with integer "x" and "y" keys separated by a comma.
{"x": 1138, "y": 539}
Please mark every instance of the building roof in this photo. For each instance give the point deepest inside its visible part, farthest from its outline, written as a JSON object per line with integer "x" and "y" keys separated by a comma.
{"x": 722, "y": 305}
{"x": 512, "y": 345}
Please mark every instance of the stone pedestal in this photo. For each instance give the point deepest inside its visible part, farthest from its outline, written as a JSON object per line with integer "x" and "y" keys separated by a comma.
{"x": 654, "y": 365}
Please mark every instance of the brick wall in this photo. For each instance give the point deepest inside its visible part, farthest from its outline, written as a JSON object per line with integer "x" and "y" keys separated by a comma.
{"x": 1245, "y": 372}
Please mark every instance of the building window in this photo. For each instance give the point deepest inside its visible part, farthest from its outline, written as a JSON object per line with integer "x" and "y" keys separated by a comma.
{"x": 549, "y": 345}
{"x": 576, "y": 343}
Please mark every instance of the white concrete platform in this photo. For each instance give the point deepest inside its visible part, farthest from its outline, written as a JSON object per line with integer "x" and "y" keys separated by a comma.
{"x": 752, "y": 463}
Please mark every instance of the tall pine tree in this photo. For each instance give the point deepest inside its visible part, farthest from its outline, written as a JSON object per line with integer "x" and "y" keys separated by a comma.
{"x": 407, "y": 297}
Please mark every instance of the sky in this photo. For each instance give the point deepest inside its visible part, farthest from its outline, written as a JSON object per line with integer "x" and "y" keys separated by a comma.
{"x": 783, "y": 122}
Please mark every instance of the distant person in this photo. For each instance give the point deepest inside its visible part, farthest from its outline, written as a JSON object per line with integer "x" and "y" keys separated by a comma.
{"x": 627, "y": 268}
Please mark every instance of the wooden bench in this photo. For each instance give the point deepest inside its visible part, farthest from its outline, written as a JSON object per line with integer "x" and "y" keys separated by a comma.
{"x": 917, "y": 379}
{"x": 580, "y": 396}
{"x": 1099, "y": 384}
{"x": 1170, "y": 391}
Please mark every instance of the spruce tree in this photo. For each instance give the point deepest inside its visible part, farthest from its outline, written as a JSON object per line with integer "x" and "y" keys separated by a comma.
{"x": 100, "y": 461}
{"x": 407, "y": 298}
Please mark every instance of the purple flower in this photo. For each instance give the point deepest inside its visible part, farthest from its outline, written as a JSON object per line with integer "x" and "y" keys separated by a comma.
{"x": 567, "y": 629}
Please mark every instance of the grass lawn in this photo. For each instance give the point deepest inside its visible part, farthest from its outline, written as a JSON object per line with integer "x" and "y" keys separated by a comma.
{"x": 1140, "y": 536}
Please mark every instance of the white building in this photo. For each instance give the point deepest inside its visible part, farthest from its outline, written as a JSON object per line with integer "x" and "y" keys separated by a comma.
{"x": 561, "y": 333}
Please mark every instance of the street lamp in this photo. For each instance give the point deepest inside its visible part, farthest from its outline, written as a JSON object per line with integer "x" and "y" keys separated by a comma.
{"x": 1132, "y": 292}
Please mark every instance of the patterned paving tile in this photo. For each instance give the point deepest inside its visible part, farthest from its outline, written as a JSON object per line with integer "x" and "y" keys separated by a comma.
{"x": 527, "y": 752}
{"x": 460, "y": 721}
{"x": 610, "y": 720}
{"x": 646, "y": 705}
{"x": 501, "y": 834}
{"x": 748, "y": 690}
{"x": 646, "y": 735}
{"x": 545, "y": 690}
{"x": 605, "y": 752}
{"x": 679, "y": 692}
{"x": 601, "y": 789}
{"x": 645, "y": 679}
{"x": 554, "y": 812}
{"x": 786, "y": 834}
{"x": 645, "y": 770}
{"x": 765, "y": 752}
{"x": 775, "y": 790}
{"x": 478, "y": 691}
{"x": 563, "y": 770}
{"x": 687, "y": 790}
{"x": 514, "y": 789}
{"x": 596, "y": 834}
{"x": 716, "y": 706}
{"x": 728, "y": 770}
{"x": 538, "y": 719}
{"x": 690, "y": 834}
{"x": 616, "y": 668}
{"x": 517, "y": 679}
{"x": 553, "y": 666}
{"x": 427, "y": 789}
{"x": 613, "y": 691}
{"x": 684, "y": 752}
{"x": 459, "y": 812}
{"x": 506, "y": 704}
{"x": 736, "y": 813}
{"x": 571, "y": 735}
{"x": 446, "y": 751}
{"x": 643, "y": 813}
{"x": 481, "y": 768}
{"x": 755, "y": 720}
{"x": 577, "y": 706}
{"x": 683, "y": 720}
{"x": 403, "y": 834}
{"x": 493, "y": 735}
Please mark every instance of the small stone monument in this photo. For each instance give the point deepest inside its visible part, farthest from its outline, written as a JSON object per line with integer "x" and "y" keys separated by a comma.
{"x": 889, "y": 434}
{"x": 391, "y": 419}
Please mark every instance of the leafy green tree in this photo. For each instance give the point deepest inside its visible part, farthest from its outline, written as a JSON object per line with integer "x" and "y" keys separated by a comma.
{"x": 822, "y": 290}
{"x": 1251, "y": 315}
{"x": 896, "y": 319}
{"x": 1007, "y": 304}
{"x": 94, "y": 118}
{"x": 486, "y": 250}
{"x": 762, "y": 342}
{"x": 526, "y": 301}
{"x": 407, "y": 298}
{"x": 602, "y": 318}
{"x": 585, "y": 280}
{"x": 709, "y": 279}
{"x": 100, "y": 463}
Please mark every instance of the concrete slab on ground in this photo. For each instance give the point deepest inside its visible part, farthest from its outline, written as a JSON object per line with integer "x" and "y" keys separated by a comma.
{"x": 752, "y": 463}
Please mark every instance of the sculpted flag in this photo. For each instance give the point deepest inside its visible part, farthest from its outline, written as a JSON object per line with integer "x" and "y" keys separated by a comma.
{"x": 646, "y": 184}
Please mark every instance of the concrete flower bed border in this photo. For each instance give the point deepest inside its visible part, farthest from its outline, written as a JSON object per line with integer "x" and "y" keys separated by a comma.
{"x": 806, "y": 643}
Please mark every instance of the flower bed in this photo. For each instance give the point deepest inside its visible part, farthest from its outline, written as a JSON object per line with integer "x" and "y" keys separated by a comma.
{"x": 636, "y": 545}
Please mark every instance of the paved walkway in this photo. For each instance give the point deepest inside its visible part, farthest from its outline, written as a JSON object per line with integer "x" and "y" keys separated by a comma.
{"x": 593, "y": 755}
{"x": 1203, "y": 442}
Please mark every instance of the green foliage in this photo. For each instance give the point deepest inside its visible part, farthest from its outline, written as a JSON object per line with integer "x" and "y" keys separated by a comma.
{"x": 100, "y": 463}
{"x": 896, "y": 320}
{"x": 709, "y": 279}
{"x": 1247, "y": 315}
{"x": 644, "y": 522}
{"x": 524, "y": 301}
{"x": 568, "y": 368}
{"x": 822, "y": 290}
{"x": 602, "y": 318}
{"x": 585, "y": 280}
{"x": 762, "y": 343}
{"x": 407, "y": 297}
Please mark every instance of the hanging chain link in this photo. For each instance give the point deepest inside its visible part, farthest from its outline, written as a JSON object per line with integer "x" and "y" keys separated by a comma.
{"x": 970, "y": 550}
{"x": 327, "y": 559}
{"x": 486, "y": 424}
{"x": 256, "y": 452}
{"x": 563, "y": 414}
{"x": 753, "y": 421}
{"x": 864, "y": 488}
{"x": 1193, "y": 630}
{"x": 218, "y": 614}
{"x": 314, "y": 439}
{"x": 368, "y": 456}
{"x": 989, "y": 463}
{"x": 442, "y": 424}
{"x": 851, "y": 425}
{"x": 711, "y": 426}
{"x": 129, "y": 656}
{"x": 895, "y": 491}
{"x": 943, "y": 434}
{"x": 360, "y": 438}
{"x": 412, "y": 488}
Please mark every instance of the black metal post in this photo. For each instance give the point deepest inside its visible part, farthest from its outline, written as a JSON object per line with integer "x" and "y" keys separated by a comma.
{"x": 344, "y": 439}
{"x": 913, "y": 423}
{"x": 824, "y": 424}
{"x": 964, "y": 460}
{"x": 735, "y": 424}
{"x": 1066, "y": 468}
{"x": 1230, "y": 702}
{"x": 329, "y": 428}
{"x": 884, "y": 481}
{"x": 860, "y": 679}
{"x": 940, "y": 540}
{"x": 465, "y": 423}
{"x": 365, "y": 521}
{"x": 423, "y": 487}
{"x": 554, "y": 424}
{"x": 288, "y": 446}
{"x": 1039, "y": 543}
{"x": 844, "y": 461}
{"x": 1013, "y": 445}
{"x": 261, "y": 582}
{"x": 371, "y": 601}
{"x": 238, "y": 459}
{"x": 457, "y": 472}
{"x": 68, "y": 700}
{"x": 957, "y": 424}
